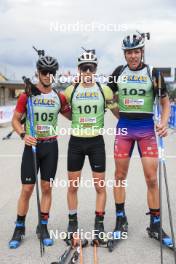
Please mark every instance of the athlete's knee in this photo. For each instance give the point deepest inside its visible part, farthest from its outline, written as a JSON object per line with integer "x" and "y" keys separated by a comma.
{"x": 120, "y": 175}
{"x": 72, "y": 188}
{"x": 26, "y": 191}
{"x": 100, "y": 187}
{"x": 46, "y": 188}
{"x": 73, "y": 185}
{"x": 99, "y": 182}
{"x": 152, "y": 182}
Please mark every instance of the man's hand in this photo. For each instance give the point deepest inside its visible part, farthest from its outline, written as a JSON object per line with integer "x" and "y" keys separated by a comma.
{"x": 30, "y": 141}
{"x": 161, "y": 129}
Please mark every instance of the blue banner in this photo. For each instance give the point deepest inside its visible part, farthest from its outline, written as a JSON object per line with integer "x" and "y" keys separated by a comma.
{"x": 172, "y": 119}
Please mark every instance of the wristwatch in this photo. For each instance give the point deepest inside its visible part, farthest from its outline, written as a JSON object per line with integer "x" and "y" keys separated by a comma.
{"x": 22, "y": 135}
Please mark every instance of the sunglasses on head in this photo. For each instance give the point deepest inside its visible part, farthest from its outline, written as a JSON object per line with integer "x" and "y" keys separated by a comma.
{"x": 86, "y": 67}
{"x": 45, "y": 72}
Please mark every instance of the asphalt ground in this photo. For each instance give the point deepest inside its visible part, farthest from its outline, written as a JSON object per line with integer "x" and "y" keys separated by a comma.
{"x": 137, "y": 249}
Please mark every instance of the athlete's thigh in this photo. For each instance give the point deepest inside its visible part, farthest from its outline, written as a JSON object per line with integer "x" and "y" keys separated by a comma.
{"x": 27, "y": 166}
{"x": 147, "y": 145}
{"x": 123, "y": 146}
{"x": 75, "y": 155}
{"x": 96, "y": 154}
{"x": 48, "y": 161}
{"x": 148, "y": 150}
{"x": 121, "y": 167}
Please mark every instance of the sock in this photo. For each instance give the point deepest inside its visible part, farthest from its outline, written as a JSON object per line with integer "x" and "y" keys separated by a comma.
{"x": 120, "y": 209}
{"x": 154, "y": 212}
{"x": 154, "y": 215}
{"x": 99, "y": 215}
{"x": 21, "y": 218}
{"x": 73, "y": 212}
{"x": 44, "y": 218}
{"x": 72, "y": 216}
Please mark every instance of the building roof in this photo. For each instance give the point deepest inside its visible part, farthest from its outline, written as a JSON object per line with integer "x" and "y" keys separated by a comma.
{"x": 2, "y": 77}
{"x": 12, "y": 84}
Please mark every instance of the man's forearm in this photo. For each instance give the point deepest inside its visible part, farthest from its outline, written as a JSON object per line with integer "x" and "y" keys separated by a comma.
{"x": 165, "y": 110}
{"x": 17, "y": 126}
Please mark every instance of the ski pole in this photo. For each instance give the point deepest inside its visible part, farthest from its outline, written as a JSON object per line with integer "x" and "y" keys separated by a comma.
{"x": 169, "y": 210}
{"x": 161, "y": 158}
{"x": 77, "y": 253}
{"x": 65, "y": 255}
{"x": 95, "y": 254}
{"x": 30, "y": 115}
{"x": 81, "y": 253}
{"x": 8, "y": 135}
{"x": 95, "y": 244}
{"x": 163, "y": 167}
{"x": 40, "y": 53}
{"x": 144, "y": 36}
